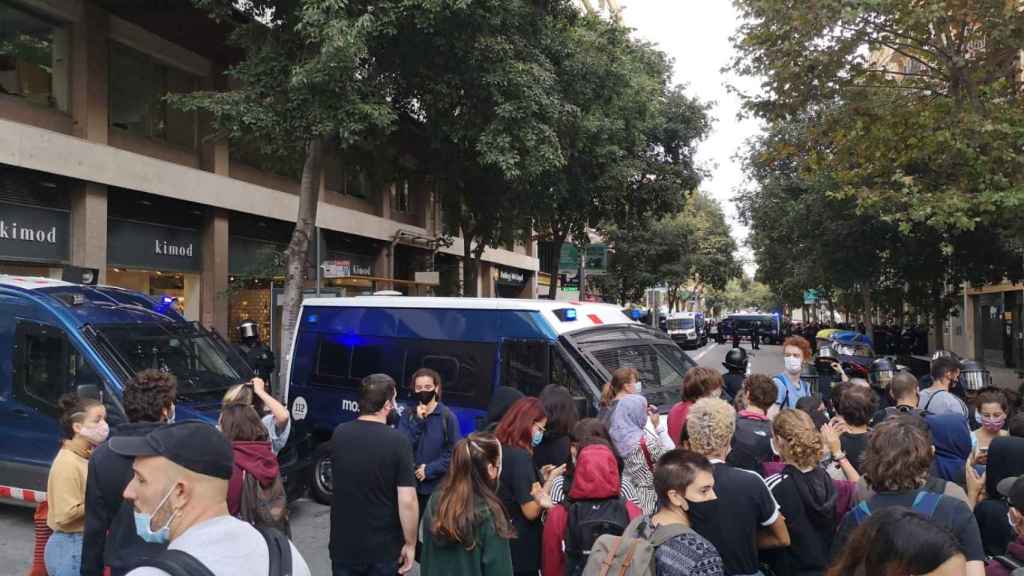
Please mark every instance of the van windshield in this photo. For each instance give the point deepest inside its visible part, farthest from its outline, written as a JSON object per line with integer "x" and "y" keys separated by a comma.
{"x": 200, "y": 363}
{"x": 661, "y": 366}
{"x": 680, "y": 324}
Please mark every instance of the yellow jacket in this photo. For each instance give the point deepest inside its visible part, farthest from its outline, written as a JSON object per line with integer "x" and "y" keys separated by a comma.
{"x": 65, "y": 488}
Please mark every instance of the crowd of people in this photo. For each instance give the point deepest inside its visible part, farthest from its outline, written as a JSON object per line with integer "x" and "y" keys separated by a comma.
{"x": 756, "y": 477}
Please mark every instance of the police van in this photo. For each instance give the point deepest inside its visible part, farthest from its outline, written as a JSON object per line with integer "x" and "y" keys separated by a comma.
{"x": 687, "y": 329}
{"x": 58, "y": 337}
{"x": 476, "y": 345}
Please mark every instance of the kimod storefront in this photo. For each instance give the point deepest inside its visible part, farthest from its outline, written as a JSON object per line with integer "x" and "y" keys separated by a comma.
{"x": 35, "y": 223}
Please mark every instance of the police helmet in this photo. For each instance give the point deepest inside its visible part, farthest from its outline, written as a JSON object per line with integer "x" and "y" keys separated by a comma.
{"x": 248, "y": 329}
{"x": 974, "y": 376}
{"x": 736, "y": 359}
{"x": 882, "y": 371}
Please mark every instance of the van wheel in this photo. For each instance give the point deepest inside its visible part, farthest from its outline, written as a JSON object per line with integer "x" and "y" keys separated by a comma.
{"x": 321, "y": 482}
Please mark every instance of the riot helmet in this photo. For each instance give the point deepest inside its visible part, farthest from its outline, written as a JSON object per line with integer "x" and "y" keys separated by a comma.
{"x": 248, "y": 330}
{"x": 882, "y": 371}
{"x": 736, "y": 360}
{"x": 974, "y": 376}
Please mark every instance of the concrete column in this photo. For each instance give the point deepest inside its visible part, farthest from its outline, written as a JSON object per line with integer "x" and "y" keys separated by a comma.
{"x": 382, "y": 267}
{"x": 530, "y": 290}
{"x": 213, "y": 298}
{"x": 89, "y": 75}
{"x": 486, "y": 280}
{"x": 89, "y": 227}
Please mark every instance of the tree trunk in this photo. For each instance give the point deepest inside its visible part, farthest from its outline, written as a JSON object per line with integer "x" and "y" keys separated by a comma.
{"x": 938, "y": 316}
{"x": 470, "y": 269}
{"x": 865, "y": 294}
{"x": 298, "y": 248}
{"x": 557, "y": 242}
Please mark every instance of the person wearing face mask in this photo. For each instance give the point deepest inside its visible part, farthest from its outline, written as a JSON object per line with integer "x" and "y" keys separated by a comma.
{"x": 683, "y": 480}
{"x": 993, "y": 408}
{"x": 83, "y": 427}
{"x": 698, "y": 382}
{"x": 625, "y": 381}
{"x": 110, "y": 539}
{"x": 432, "y": 429}
{"x": 465, "y": 530}
{"x": 639, "y": 446}
{"x": 375, "y": 511}
{"x": 745, "y": 517}
{"x": 179, "y": 493}
{"x": 791, "y": 388}
{"x": 519, "y": 487}
{"x": 1012, "y": 489}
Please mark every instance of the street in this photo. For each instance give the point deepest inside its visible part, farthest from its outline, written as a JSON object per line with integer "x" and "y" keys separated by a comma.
{"x": 310, "y": 521}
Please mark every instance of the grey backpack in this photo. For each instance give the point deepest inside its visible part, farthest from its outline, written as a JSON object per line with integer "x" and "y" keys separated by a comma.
{"x": 631, "y": 554}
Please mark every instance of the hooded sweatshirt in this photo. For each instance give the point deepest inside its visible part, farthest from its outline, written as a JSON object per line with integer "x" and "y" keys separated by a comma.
{"x": 808, "y": 501}
{"x": 596, "y": 478}
{"x": 503, "y": 399}
{"x": 256, "y": 459}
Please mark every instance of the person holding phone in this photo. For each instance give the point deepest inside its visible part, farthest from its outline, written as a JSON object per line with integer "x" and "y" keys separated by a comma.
{"x": 993, "y": 409}
{"x": 634, "y": 434}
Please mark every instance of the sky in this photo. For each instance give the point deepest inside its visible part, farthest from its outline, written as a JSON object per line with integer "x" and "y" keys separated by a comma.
{"x": 695, "y": 33}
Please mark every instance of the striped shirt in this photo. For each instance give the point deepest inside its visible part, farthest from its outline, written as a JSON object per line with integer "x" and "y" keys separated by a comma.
{"x": 639, "y": 472}
{"x": 626, "y": 491}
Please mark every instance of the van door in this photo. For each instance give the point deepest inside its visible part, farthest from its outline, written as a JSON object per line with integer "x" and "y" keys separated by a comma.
{"x": 45, "y": 365}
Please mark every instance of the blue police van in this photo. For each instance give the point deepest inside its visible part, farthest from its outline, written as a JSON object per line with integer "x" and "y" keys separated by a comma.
{"x": 476, "y": 345}
{"x": 58, "y": 337}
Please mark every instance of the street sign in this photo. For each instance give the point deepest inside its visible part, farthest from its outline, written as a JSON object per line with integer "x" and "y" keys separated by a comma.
{"x": 810, "y": 297}
{"x": 336, "y": 268}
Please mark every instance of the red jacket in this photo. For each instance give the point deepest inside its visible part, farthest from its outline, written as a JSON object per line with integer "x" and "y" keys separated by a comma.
{"x": 677, "y": 419}
{"x": 1015, "y": 550}
{"x": 596, "y": 478}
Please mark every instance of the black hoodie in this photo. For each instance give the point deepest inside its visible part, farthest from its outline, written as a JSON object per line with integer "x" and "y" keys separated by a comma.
{"x": 503, "y": 399}
{"x": 808, "y": 502}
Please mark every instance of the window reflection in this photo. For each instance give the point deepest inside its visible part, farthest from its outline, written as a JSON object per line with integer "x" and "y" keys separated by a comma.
{"x": 33, "y": 58}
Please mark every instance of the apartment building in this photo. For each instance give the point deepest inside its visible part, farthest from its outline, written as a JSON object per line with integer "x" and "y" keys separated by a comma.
{"x": 96, "y": 170}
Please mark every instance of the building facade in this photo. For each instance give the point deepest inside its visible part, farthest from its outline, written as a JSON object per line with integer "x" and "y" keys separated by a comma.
{"x": 98, "y": 171}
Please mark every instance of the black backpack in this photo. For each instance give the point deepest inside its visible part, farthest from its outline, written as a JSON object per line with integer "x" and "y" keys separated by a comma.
{"x": 751, "y": 444}
{"x": 264, "y": 507}
{"x": 179, "y": 563}
{"x": 589, "y": 520}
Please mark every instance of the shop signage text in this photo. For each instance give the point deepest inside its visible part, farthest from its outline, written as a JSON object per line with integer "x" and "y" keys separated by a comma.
{"x": 509, "y": 276}
{"x": 163, "y": 248}
{"x": 153, "y": 247}
{"x": 33, "y": 233}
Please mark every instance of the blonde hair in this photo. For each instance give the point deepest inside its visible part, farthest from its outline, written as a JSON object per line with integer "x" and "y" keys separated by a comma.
{"x": 710, "y": 425}
{"x": 803, "y": 444}
{"x": 238, "y": 394}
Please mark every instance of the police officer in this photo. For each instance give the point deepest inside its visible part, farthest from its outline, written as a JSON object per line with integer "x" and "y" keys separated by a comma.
{"x": 736, "y": 370}
{"x": 755, "y": 335}
{"x": 256, "y": 354}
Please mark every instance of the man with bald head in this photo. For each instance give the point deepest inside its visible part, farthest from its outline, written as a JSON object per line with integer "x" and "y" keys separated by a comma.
{"x": 179, "y": 494}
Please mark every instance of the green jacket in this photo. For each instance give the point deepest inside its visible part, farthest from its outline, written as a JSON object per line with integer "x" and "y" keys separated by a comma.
{"x": 490, "y": 556}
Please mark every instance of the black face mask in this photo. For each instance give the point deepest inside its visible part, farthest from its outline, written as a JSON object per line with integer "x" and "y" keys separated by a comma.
{"x": 425, "y": 397}
{"x": 704, "y": 511}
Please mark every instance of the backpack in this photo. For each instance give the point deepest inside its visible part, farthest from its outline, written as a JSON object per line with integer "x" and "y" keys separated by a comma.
{"x": 925, "y": 504}
{"x": 264, "y": 507}
{"x": 589, "y": 520}
{"x": 180, "y": 563}
{"x": 631, "y": 554}
{"x": 750, "y": 444}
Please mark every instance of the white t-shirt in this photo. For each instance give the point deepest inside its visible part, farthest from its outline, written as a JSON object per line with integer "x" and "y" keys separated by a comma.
{"x": 228, "y": 547}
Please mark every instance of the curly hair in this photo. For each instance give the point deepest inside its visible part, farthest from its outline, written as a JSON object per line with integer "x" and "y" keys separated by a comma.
{"x": 761, "y": 391}
{"x": 710, "y": 425}
{"x": 700, "y": 382}
{"x": 802, "y": 445}
{"x": 897, "y": 457}
{"x": 799, "y": 342}
{"x": 148, "y": 395}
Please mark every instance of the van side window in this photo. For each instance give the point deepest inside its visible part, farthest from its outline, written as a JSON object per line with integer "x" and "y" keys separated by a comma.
{"x": 466, "y": 368}
{"x": 562, "y": 374}
{"x": 524, "y": 365}
{"x": 332, "y": 361}
{"x": 47, "y": 365}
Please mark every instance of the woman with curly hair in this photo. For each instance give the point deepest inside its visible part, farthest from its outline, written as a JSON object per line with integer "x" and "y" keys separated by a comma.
{"x": 805, "y": 494}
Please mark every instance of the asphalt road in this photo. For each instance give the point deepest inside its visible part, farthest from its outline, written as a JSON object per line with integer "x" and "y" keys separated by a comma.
{"x": 311, "y": 521}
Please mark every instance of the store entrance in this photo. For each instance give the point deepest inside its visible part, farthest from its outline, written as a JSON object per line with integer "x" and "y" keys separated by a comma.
{"x": 183, "y": 287}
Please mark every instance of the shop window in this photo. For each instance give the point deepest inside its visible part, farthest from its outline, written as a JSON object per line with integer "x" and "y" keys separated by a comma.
{"x": 47, "y": 365}
{"x": 400, "y": 201}
{"x": 138, "y": 86}
{"x": 34, "y": 58}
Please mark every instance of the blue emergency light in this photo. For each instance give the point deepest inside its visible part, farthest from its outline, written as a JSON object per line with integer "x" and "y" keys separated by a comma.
{"x": 566, "y": 314}
{"x": 163, "y": 306}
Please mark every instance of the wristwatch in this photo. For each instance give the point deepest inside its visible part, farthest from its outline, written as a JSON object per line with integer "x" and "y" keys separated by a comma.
{"x": 838, "y": 457}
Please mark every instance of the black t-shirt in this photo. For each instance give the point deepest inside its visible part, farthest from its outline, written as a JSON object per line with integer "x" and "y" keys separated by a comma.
{"x": 733, "y": 382}
{"x": 751, "y": 444}
{"x": 808, "y": 552}
{"x": 731, "y": 521}
{"x": 515, "y": 484}
{"x": 854, "y": 446}
{"x": 950, "y": 512}
{"x": 370, "y": 462}
{"x": 554, "y": 451}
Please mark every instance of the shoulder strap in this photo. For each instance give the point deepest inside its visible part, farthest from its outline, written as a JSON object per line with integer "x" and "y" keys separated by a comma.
{"x": 926, "y": 502}
{"x": 663, "y": 534}
{"x": 647, "y": 452}
{"x": 280, "y": 550}
{"x": 444, "y": 424}
{"x": 1009, "y": 562}
{"x": 781, "y": 379}
{"x": 860, "y": 512}
{"x": 179, "y": 563}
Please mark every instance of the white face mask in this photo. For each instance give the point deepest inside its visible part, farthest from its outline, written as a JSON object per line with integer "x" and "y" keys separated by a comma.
{"x": 794, "y": 365}
{"x": 637, "y": 387}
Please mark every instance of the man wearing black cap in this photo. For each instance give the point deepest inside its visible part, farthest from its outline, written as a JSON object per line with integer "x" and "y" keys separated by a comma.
{"x": 179, "y": 493}
{"x": 1013, "y": 490}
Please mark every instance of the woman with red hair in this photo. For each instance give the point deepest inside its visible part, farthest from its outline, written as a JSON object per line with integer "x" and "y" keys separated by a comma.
{"x": 519, "y": 432}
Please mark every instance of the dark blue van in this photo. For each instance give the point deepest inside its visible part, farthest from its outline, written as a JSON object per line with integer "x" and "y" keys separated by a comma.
{"x": 476, "y": 345}
{"x": 57, "y": 337}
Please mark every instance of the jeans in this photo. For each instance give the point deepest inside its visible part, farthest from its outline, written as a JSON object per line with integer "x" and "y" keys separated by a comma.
{"x": 63, "y": 554}
{"x": 377, "y": 569}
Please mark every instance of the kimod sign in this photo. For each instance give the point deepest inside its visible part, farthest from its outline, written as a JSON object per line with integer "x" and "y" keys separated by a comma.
{"x": 32, "y": 233}
{"x": 152, "y": 246}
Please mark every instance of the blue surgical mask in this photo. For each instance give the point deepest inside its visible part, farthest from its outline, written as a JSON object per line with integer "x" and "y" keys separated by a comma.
{"x": 538, "y": 437}
{"x": 143, "y": 522}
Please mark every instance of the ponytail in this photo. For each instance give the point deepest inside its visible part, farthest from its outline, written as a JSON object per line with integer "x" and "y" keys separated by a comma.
{"x": 620, "y": 378}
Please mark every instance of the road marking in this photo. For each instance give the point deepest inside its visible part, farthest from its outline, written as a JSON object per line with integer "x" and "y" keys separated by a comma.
{"x": 706, "y": 350}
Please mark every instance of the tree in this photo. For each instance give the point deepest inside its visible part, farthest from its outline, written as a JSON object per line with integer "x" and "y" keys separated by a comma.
{"x": 627, "y": 137}
{"x": 305, "y": 84}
